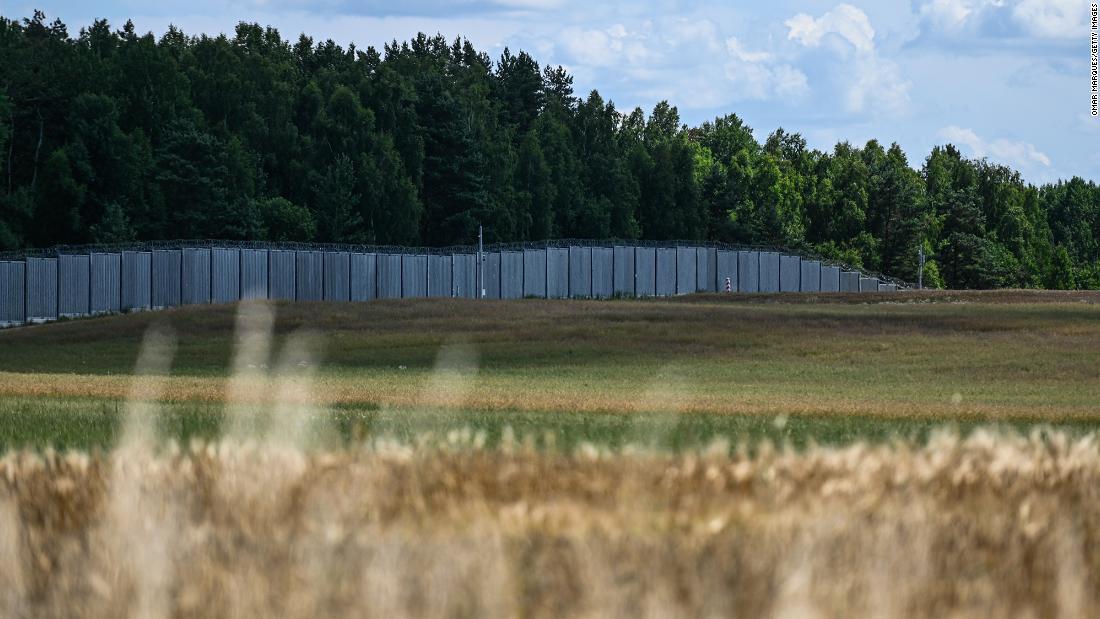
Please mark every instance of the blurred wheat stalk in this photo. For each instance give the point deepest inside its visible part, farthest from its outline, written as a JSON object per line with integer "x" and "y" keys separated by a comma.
{"x": 989, "y": 525}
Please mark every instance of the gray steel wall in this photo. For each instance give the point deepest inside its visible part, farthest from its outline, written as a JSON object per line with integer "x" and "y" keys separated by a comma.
{"x": 748, "y": 271}
{"x": 580, "y": 272}
{"x": 645, "y": 272}
{"x": 769, "y": 271}
{"x": 706, "y": 268}
{"x": 73, "y": 277}
{"x": 167, "y": 267}
{"x": 624, "y": 271}
{"x": 41, "y": 288}
{"x": 666, "y": 272}
{"x": 849, "y": 281}
{"x": 310, "y": 273}
{"x": 811, "y": 276}
{"x": 12, "y": 289}
{"x": 868, "y": 284}
{"x": 225, "y": 275}
{"x": 337, "y": 275}
{"x": 389, "y": 276}
{"x": 790, "y": 273}
{"x": 726, "y": 268}
{"x": 439, "y": 276}
{"x": 534, "y": 273}
{"x": 363, "y": 282}
{"x": 414, "y": 276}
{"x": 490, "y": 273}
{"x": 511, "y": 274}
{"x": 830, "y": 279}
{"x": 603, "y": 272}
{"x": 282, "y": 275}
{"x": 557, "y": 273}
{"x": 686, "y": 277}
{"x": 255, "y": 276}
{"x": 464, "y": 276}
{"x": 195, "y": 276}
{"x": 105, "y": 283}
{"x": 137, "y": 277}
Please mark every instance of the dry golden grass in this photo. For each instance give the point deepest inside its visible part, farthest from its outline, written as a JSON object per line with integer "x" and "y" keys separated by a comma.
{"x": 986, "y": 526}
{"x": 1008, "y": 354}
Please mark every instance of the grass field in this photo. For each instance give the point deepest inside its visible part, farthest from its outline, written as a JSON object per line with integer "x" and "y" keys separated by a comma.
{"x": 682, "y": 371}
{"x": 915, "y": 455}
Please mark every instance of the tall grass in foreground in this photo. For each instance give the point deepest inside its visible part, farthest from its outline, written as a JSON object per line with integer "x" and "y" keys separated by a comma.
{"x": 989, "y": 525}
{"x": 268, "y": 522}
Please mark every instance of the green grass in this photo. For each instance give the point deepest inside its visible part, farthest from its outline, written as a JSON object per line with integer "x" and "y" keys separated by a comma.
{"x": 677, "y": 373}
{"x": 64, "y": 424}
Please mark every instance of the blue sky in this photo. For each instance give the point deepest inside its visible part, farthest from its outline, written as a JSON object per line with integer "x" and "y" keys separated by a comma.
{"x": 1003, "y": 79}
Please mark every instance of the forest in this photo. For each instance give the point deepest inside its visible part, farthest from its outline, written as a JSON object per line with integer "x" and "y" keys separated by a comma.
{"x": 111, "y": 136}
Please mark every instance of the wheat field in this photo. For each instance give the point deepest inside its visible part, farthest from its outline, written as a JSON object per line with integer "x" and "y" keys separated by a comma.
{"x": 984, "y": 526}
{"x": 277, "y": 512}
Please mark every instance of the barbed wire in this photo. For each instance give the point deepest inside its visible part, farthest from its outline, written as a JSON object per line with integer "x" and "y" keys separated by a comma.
{"x": 180, "y": 244}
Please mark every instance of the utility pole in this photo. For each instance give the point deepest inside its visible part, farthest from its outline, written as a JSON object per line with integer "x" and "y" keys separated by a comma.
{"x": 920, "y": 269}
{"x": 480, "y": 262}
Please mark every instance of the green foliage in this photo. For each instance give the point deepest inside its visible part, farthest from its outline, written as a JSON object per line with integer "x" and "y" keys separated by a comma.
{"x": 114, "y": 135}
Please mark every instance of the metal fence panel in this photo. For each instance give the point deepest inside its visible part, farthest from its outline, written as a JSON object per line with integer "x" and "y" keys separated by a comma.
{"x": 726, "y": 270}
{"x": 706, "y": 265}
{"x": 769, "y": 271}
{"x": 389, "y": 276}
{"x": 887, "y": 287}
{"x": 580, "y": 272}
{"x": 685, "y": 270}
{"x": 255, "y": 275}
{"x": 511, "y": 275}
{"x": 310, "y": 273}
{"x": 748, "y": 271}
{"x": 868, "y": 284}
{"x": 624, "y": 271}
{"x": 490, "y": 273}
{"x": 12, "y": 293}
{"x": 557, "y": 273}
{"x": 225, "y": 275}
{"x": 414, "y": 276}
{"x": 849, "y": 281}
{"x": 603, "y": 272}
{"x": 363, "y": 282}
{"x": 645, "y": 272}
{"x": 790, "y": 273}
{"x": 73, "y": 278}
{"x": 811, "y": 276}
{"x": 282, "y": 275}
{"x": 464, "y": 276}
{"x": 337, "y": 275}
{"x": 136, "y": 280}
{"x": 439, "y": 276}
{"x": 105, "y": 283}
{"x": 195, "y": 276}
{"x": 167, "y": 267}
{"x": 830, "y": 279}
{"x": 41, "y": 289}
{"x": 666, "y": 272}
{"x": 534, "y": 273}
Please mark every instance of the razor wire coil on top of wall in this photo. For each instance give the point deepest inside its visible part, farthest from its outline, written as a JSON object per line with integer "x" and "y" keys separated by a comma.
{"x": 41, "y": 285}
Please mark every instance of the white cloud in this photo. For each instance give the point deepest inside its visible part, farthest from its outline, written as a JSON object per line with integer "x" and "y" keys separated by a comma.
{"x": 1051, "y": 18}
{"x": 872, "y": 82}
{"x": 845, "y": 21}
{"x": 1047, "y": 19}
{"x": 605, "y": 48}
{"x": 754, "y": 75}
{"x": 953, "y": 14}
{"x": 1018, "y": 154}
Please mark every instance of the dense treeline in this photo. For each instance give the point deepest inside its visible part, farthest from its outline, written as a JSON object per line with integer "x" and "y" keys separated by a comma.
{"x": 110, "y": 136}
